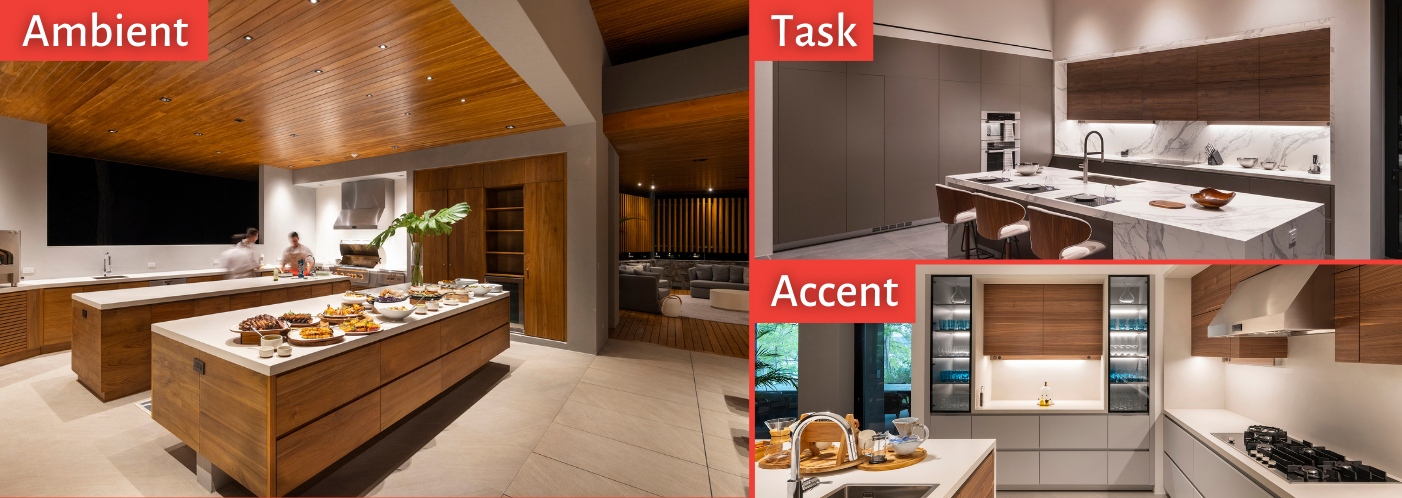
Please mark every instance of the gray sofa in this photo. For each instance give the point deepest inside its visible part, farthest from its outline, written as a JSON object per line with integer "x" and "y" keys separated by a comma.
{"x": 704, "y": 278}
{"x": 641, "y": 293}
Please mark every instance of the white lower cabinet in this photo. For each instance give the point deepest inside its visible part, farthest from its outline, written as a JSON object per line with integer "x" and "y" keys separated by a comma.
{"x": 1179, "y": 445}
{"x": 1074, "y": 467}
{"x": 1131, "y": 468}
{"x": 1130, "y": 432}
{"x": 1074, "y": 432}
{"x": 1175, "y": 483}
{"x": 1215, "y": 478}
{"x": 1013, "y": 432}
{"x": 951, "y": 427}
{"x": 1017, "y": 467}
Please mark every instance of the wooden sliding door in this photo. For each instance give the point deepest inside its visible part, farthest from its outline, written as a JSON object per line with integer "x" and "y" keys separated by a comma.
{"x": 545, "y": 260}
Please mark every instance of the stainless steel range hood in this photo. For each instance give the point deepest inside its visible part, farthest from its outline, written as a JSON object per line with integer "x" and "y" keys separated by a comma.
{"x": 363, "y": 202}
{"x": 1282, "y": 301}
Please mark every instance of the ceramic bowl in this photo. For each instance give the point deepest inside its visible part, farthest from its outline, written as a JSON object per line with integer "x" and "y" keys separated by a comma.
{"x": 1213, "y": 198}
{"x": 480, "y": 290}
{"x": 906, "y": 448}
{"x": 352, "y": 300}
{"x": 1026, "y": 169}
{"x": 396, "y": 314}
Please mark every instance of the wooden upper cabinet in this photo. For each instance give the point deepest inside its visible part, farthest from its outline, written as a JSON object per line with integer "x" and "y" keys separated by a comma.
{"x": 1202, "y": 345}
{"x": 1073, "y": 320}
{"x": 1171, "y": 103}
{"x": 1304, "y": 98}
{"x": 1258, "y": 347}
{"x": 1012, "y": 320}
{"x": 1083, "y": 105}
{"x": 1086, "y": 75}
{"x": 1229, "y": 101}
{"x": 1230, "y": 61}
{"x": 1237, "y": 273}
{"x": 1170, "y": 67}
{"x": 1120, "y": 103}
{"x": 1380, "y": 314}
{"x": 1291, "y": 55}
{"x": 1346, "y": 314}
{"x": 1210, "y": 288}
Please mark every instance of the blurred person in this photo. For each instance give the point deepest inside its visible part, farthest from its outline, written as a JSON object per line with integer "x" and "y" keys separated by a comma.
{"x": 297, "y": 253}
{"x": 241, "y": 261}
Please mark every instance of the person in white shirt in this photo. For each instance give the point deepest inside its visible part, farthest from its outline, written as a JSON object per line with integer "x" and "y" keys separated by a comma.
{"x": 241, "y": 261}
{"x": 297, "y": 252}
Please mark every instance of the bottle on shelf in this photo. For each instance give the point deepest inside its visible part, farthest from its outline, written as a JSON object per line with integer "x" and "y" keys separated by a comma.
{"x": 1045, "y": 398}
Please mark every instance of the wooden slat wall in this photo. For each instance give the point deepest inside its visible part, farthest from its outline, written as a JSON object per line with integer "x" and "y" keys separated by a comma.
{"x": 705, "y": 225}
{"x": 14, "y": 322}
{"x": 635, "y": 235}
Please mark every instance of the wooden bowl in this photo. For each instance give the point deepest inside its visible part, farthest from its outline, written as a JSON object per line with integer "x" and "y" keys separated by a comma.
{"x": 1213, "y": 198}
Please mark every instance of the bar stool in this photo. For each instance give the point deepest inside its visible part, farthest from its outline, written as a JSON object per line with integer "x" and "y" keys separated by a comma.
{"x": 1057, "y": 236}
{"x": 957, "y": 207}
{"x": 1000, "y": 219}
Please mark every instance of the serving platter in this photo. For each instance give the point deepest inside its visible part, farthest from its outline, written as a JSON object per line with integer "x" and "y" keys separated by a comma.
{"x": 337, "y": 319}
{"x": 338, "y": 328}
{"x": 295, "y": 337}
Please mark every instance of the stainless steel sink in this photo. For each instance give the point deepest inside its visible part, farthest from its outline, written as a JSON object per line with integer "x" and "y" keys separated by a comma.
{"x": 882, "y": 491}
{"x": 1118, "y": 182}
{"x": 1174, "y": 162}
{"x": 108, "y": 277}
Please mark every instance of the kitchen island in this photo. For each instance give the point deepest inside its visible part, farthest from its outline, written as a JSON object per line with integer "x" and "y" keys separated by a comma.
{"x": 962, "y": 467}
{"x": 1250, "y": 227}
{"x": 273, "y": 423}
{"x": 112, "y": 329}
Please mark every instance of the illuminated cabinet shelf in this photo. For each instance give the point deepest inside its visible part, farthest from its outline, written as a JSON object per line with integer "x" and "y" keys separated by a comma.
{"x": 1129, "y": 344}
{"x": 951, "y": 333}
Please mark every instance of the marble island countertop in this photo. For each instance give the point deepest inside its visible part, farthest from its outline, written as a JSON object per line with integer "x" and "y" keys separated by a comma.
{"x": 1230, "y": 167}
{"x": 143, "y": 296}
{"x": 1251, "y": 227}
{"x": 210, "y": 334}
{"x": 949, "y": 463}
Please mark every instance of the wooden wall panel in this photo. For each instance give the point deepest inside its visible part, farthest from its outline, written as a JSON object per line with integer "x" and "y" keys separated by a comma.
{"x": 635, "y": 235}
{"x": 1012, "y": 322}
{"x": 703, "y": 225}
{"x": 635, "y": 30}
{"x": 545, "y": 260}
{"x": 1073, "y": 321}
{"x": 310, "y": 392}
{"x": 176, "y": 405}
{"x": 1346, "y": 315}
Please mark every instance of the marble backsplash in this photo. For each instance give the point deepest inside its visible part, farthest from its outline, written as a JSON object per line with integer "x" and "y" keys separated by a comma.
{"x": 1292, "y": 146}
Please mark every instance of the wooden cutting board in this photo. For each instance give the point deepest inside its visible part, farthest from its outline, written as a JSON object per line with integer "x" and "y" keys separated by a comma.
{"x": 825, "y": 461}
{"x": 1168, "y": 204}
{"x": 894, "y": 462}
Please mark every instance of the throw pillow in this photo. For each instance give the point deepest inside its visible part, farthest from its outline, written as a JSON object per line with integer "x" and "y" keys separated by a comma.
{"x": 720, "y": 273}
{"x": 737, "y": 276}
{"x": 703, "y": 272}
{"x": 635, "y": 270}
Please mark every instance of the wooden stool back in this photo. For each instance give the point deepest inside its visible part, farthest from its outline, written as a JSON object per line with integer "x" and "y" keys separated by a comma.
{"x": 952, "y": 201}
{"x": 994, "y": 214}
{"x": 1052, "y": 232}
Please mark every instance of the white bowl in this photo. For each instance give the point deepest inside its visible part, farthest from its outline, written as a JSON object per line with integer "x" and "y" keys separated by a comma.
{"x": 1027, "y": 169}
{"x": 352, "y": 300}
{"x": 906, "y": 448}
{"x": 480, "y": 291}
{"x": 396, "y": 314}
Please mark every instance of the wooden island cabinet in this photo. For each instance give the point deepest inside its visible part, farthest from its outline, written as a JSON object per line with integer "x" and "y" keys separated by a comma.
{"x": 272, "y": 424}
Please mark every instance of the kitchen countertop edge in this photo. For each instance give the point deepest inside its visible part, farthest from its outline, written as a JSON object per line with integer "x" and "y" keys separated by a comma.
{"x": 1226, "y": 169}
{"x": 201, "y": 292}
{"x": 908, "y": 475}
{"x": 135, "y": 277}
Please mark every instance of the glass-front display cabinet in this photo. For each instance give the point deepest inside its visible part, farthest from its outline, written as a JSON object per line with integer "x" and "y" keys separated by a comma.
{"x": 1129, "y": 343}
{"x": 951, "y": 342}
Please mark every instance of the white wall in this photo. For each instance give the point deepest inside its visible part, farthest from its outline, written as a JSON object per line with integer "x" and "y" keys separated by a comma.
{"x": 1068, "y": 379}
{"x": 1351, "y": 408}
{"x": 393, "y": 255}
{"x": 763, "y": 131}
{"x": 1084, "y": 27}
{"x": 286, "y": 208}
{"x": 1027, "y": 23}
{"x": 1192, "y": 381}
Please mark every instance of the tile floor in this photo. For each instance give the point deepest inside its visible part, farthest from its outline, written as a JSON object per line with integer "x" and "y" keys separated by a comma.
{"x": 922, "y": 242}
{"x": 637, "y": 420}
{"x": 1076, "y": 494}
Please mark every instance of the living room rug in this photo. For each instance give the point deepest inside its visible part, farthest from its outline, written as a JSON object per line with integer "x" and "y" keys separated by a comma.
{"x": 701, "y": 309}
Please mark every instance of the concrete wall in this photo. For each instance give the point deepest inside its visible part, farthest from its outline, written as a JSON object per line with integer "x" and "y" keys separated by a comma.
{"x": 1094, "y": 26}
{"x": 705, "y": 71}
{"x": 1025, "y": 23}
{"x": 826, "y": 363}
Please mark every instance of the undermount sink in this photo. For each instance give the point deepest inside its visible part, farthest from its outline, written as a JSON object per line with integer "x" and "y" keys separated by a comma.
{"x": 1174, "y": 162}
{"x": 1118, "y": 182}
{"x": 108, "y": 277}
{"x": 882, "y": 491}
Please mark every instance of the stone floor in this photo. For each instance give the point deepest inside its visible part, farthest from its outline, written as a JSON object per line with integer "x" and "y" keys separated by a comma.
{"x": 921, "y": 242}
{"x": 1076, "y": 494}
{"x": 637, "y": 420}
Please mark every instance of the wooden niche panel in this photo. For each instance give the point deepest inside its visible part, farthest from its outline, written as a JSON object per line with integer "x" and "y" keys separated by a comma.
{"x": 1012, "y": 320}
{"x": 1380, "y": 314}
{"x": 545, "y": 260}
{"x": 1073, "y": 320}
{"x": 1346, "y": 315}
{"x": 1230, "y": 61}
{"x": 1295, "y": 99}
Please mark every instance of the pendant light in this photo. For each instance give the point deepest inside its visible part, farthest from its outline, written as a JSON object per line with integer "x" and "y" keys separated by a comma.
{"x": 957, "y": 297}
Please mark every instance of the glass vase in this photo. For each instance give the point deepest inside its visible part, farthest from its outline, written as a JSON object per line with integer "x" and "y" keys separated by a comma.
{"x": 416, "y": 264}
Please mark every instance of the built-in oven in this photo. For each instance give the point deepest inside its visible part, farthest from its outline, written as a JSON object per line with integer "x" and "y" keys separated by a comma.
{"x": 1000, "y": 126}
{"x": 997, "y": 155}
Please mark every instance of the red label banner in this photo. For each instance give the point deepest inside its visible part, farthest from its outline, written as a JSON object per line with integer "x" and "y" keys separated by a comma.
{"x": 105, "y": 30}
{"x": 832, "y": 291}
{"x": 810, "y": 30}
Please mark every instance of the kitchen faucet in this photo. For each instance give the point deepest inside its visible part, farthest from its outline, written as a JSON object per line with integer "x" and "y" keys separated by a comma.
{"x": 1085, "y": 157}
{"x": 850, "y": 444}
{"x": 106, "y": 264}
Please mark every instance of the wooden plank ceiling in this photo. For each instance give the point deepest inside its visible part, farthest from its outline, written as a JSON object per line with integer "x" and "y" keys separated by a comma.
{"x": 366, "y": 100}
{"x": 688, "y": 146}
{"x": 638, "y": 29}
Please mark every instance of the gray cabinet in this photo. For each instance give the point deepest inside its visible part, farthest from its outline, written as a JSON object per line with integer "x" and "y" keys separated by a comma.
{"x": 1001, "y": 98}
{"x": 1130, "y": 468}
{"x": 959, "y": 140}
{"x": 961, "y": 64}
{"x": 1017, "y": 467}
{"x": 810, "y": 174}
{"x": 912, "y": 149}
{"x": 951, "y": 427}
{"x": 1157, "y": 174}
{"x": 1074, "y": 432}
{"x": 900, "y": 57}
{"x": 1085, "y": 468}
{"x": 1215, "y": 478}
{"x": 866, "y": 162}
{"x": 1130, "y": 432}
{"x": 1226, "y": 183}
{"x": 1001, "y": 69}
{"x": 1036, "y": 107}
{"x": 1175, "y": 483}
{"x": 1013, "y": 432}
{"x": 1178, "y": 444}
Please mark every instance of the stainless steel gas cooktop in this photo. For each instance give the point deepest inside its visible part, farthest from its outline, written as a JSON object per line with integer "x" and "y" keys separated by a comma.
{"x": 1300, "y": 461}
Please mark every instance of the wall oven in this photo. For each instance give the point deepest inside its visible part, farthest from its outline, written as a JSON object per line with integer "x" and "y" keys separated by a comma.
{"x": 1000, "y": 126}
{"x": 996, "y": 155}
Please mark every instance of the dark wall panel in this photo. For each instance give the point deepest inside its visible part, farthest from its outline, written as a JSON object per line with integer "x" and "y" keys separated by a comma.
{"x": 1002, "y": 69}
{"x": 811, "y": 145}
{"x": 912, "y": 153}
{"x": 959, "y": 141}
{"x": 1036, "y": 107}
{"x": 961, "y": 64}
{"x": 866, "y": 163}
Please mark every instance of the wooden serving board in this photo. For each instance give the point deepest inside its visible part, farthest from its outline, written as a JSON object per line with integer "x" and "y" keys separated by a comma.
{"x": 317, "y": 342}
{"x": 825, "y": 461}
{"x": 894, "y": 462}
{"x": 1168, "y": 204}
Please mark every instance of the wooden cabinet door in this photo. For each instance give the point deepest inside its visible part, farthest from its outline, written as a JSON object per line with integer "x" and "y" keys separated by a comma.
{"x": 1380, "y": 314}
{"x": 545, "y": 260}
{"x": 1242, "y": 272}
{"x": 1012, "y": 320}
{"x": 1202, "y": 345}
{"x": 1346, "y": 305}
{"x": 58, "y": 314}
{"x": 1086, "y": 75}
{"x": 467, "y": 257}
{"x": 435, "y": 249}
{"x": 980, "y": 483}
{"x": 1259, "y": 347}
{"x": 1073, "y": 320}
{"x": 1295, "y": 99}
{"x": 1231, "y": 61}
{"x": 1229, "y": 101}
{"x": 1120, "y": 103}
{"x": 1210, "y": 288}
{"x": 1170, "y": 67}
{"x": 1083, "y": 105}
{"x": 1291, "y": 55}
{"x": 1173, "y": 103}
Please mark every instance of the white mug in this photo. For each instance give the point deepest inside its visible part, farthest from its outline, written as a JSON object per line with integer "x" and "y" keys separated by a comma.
{"x": 910, "y": 425}
{"x": 433, "y": 305}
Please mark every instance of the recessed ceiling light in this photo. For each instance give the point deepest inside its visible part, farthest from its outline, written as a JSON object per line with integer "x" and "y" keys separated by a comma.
{"x": 218, "y": 152}
{"x": 369, "y": 95}
{"x": 710, "y": 190}
{"x": 312, "y": 1}
{"x": 384, "y": 46}
{"x": 394, "y": 146}
{"x": 699, "y": 160}
{"x": 247, "y": 37}
{"x": 198, "y": 134}
{"x": 354, "y": 154}
{"x": 111, "y": 131}
{"x": 318, "y": 71}
{"x": 640, "y": 184}
{"x": 165, "y": 99}
{"x": 510, "y": 127}
{"x": 238, "y": 120}
{"x": 294, "y": 134}
{"x": 654, "y": 187}
{"x": 406, "y": 114}
{"x": 430, "y": 77}
{"x": 317, "y": 160}
{"x": 464, "y": 100}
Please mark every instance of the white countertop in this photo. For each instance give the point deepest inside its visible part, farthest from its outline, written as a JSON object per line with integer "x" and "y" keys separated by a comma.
{"x": 1230, "y": 167}
{"x": 25, "y": 285}
{"x": 1030, "y": 406}
{"x": 1247, "y": 217}
{"x": 949, "y": 463}
{"x": 211, "y": 333}
{"x": 143, "y": 296}
{"x": 1202, "y": 423}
